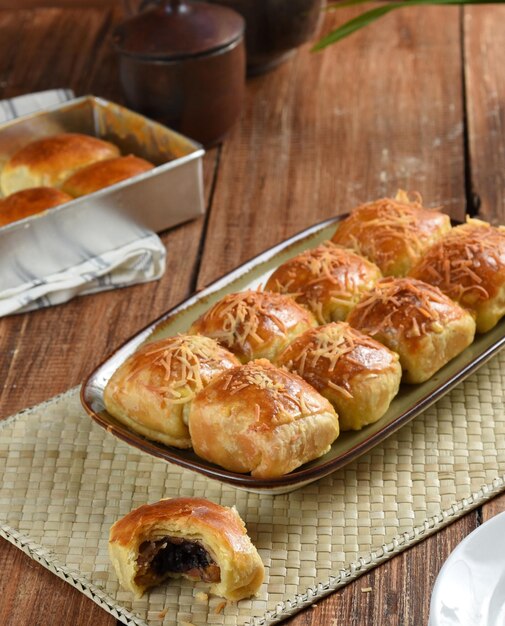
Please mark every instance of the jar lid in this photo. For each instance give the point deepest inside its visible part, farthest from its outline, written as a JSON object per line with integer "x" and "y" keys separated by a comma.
{"x": 177, "y": 28}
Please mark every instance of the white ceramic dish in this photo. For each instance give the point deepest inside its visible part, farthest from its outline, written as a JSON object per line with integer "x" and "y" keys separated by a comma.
{"x": 470, "y": 588}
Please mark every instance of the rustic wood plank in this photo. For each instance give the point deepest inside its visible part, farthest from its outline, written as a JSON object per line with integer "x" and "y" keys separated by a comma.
{"x": 493, "y": 507}
{"x": 51, "y": 350}
{"x": 39, "y": 63}
{"x": 327, "y": 131}
{"x": 485, "y": 93}
{"x": 31, "y": 595}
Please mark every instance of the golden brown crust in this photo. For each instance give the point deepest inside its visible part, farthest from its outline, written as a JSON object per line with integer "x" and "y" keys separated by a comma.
{"x": 416, "y": 320}
{"x": 152, "y": 390}
{"x": 49, "y": 161}
{"x": 258, "y": 418}
{"x": 254, "y": 324}
{"x": 329, "y": 280}
{"x": 208, "y": 514}
{"x": 29, "y": 202}
{"x": 392, "y": 233}
{"x": 104, "y": 173}
{"x": 357, "y": 374}
{"x": 216, "y": 529}
{"x": 468, "y": 265}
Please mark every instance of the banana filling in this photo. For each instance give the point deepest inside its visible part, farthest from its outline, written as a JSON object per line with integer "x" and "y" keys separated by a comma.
{"x": 172, "y": 555}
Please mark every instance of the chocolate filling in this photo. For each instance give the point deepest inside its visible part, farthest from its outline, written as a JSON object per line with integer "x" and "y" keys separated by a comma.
{"x": 172, "y": 555}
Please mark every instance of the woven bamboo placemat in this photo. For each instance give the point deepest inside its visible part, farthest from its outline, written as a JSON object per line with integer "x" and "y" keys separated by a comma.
{"x": 65, "y": 481}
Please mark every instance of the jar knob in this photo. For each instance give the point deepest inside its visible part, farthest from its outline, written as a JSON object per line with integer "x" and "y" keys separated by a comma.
{"x": 174, "y": 6}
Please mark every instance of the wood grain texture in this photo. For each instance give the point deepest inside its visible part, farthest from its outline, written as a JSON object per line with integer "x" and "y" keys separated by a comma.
{"x": 493, "y": 507}
{"x": 485, "y": 95}
{"x": 328, "y": 131}
{"x": 31, "y": 595}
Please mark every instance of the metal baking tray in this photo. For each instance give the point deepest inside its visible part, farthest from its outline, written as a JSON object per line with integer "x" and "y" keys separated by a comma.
{"x": 410, "y": 401}
{"x": 65, "y": 235}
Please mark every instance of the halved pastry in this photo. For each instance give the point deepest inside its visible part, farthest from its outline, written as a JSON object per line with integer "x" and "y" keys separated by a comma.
{"x": 189, "y": 537}
{"x": 152, "y": 390}
{"x": 416, "y": 320}
{"x": 392, "y": 233}
{"x": 329, "y": 280}
{"x": 357, "y": 374}
{"x": 254, "y": 324}
{"x": 260, "y": 419}
{"x": 468, "y": 265}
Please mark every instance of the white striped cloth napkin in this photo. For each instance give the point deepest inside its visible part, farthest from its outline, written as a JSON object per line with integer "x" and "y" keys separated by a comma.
{"x": 140, "y": 260}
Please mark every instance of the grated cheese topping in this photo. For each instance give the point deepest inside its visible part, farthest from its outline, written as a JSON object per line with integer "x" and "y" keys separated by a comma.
{"x": 326, "y": 263}
{"x": 182, "y": 359}
{"x": 280, "y": 385}
{"x": 380, "y": 229}
{"x": 240, "y": 316}
{"x": 404, "y": 304}
{"x": 325, "y": 276}
{"x": 465, "y": 262}
{"x": 329, "y": 346}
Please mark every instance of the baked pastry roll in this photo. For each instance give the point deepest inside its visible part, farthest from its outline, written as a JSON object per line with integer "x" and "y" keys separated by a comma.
{"x": 152, "y": 390}
{"x": 328, "y": 280}
{"x": 260, "y": 419}
{"x": 416, "y": 320}
{"x": 468, "y": 265}
{"x": 254, "y": 324}
{"x": 29, "y": 202}
{"x": 357, "y": 374}
{"x": 392, "y": 233}
{"x": 104, "y": 173}
{"x": 189, "y": 537}
{"x": 49, "y": 161}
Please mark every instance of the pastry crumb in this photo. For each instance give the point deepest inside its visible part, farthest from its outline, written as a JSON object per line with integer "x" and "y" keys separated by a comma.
{"x": 219, "y": 608}
{"x": 162, "y": 614}
{"x": 366, "y": 589}
{"x": 202, "y": 597}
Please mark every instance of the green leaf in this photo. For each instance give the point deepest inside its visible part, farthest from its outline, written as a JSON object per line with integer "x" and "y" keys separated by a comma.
{"x": 353, "y": 25}
{"x": 374, "y": 14}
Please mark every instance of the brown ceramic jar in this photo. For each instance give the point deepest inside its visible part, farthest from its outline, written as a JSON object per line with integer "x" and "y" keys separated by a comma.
{"x": 275, "y": 28}
{"x": 183, "y": 64}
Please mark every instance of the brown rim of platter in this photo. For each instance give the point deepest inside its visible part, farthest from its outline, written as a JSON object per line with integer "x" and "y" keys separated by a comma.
{"x": 413, "y": 399}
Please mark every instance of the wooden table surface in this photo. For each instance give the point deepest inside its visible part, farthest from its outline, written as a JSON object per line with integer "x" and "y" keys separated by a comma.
{"x": 415, "y": 102}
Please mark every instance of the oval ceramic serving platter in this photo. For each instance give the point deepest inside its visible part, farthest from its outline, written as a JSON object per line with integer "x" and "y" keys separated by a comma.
{"x": 410, "y": 401}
